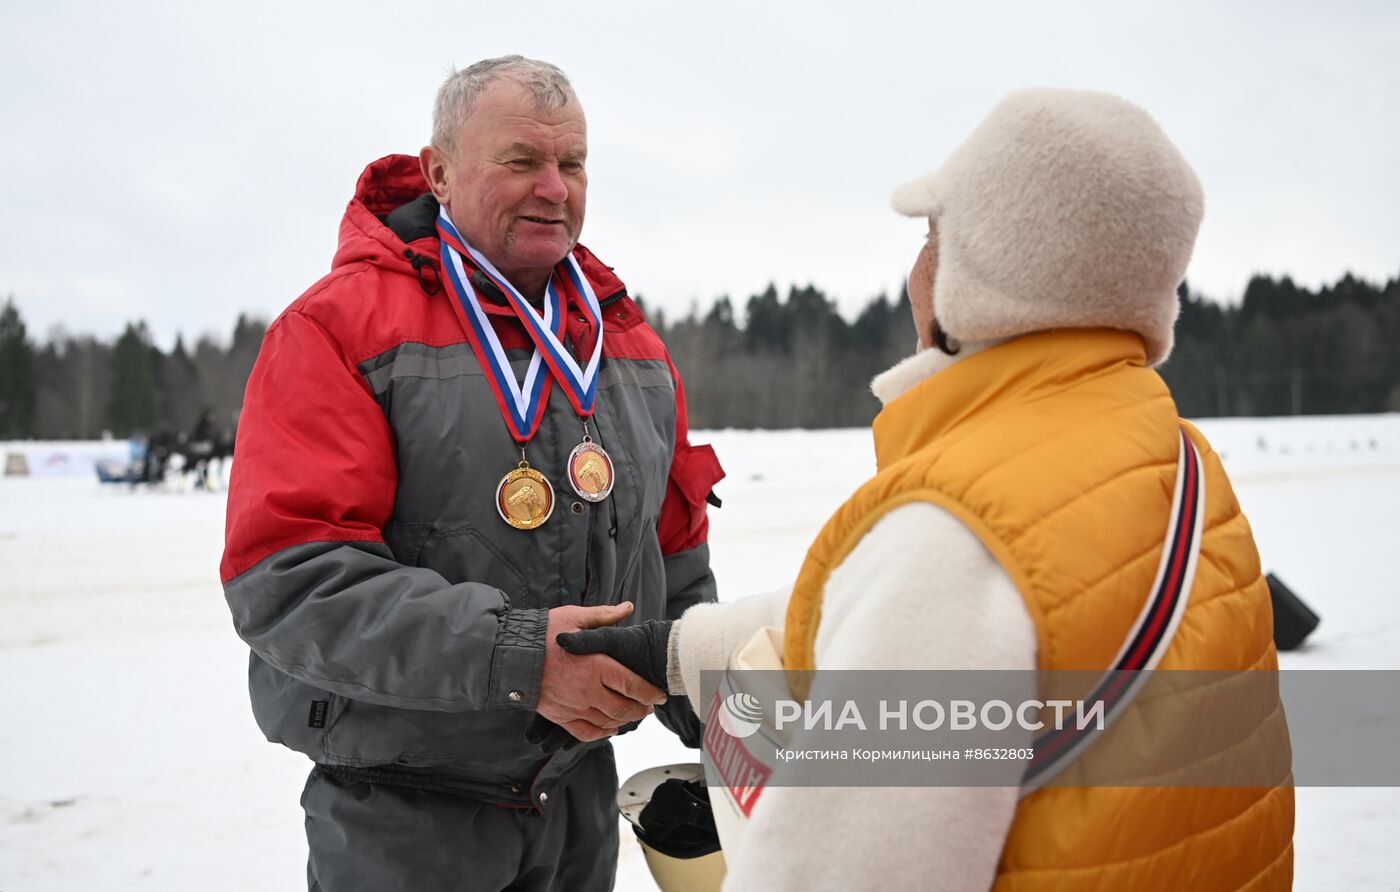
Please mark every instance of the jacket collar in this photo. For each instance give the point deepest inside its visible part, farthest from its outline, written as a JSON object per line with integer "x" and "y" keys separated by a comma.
{"x": 414, "y": 219}
{"x": 929, "y": 397}
{"x": 897, "y": 380}
{"x": 389, "y": 200}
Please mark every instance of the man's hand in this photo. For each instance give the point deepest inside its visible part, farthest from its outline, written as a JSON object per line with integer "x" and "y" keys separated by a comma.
{"x": 591, "y": 695}
{"x": 641, "y": 648}
{"x": 551, "y": 738}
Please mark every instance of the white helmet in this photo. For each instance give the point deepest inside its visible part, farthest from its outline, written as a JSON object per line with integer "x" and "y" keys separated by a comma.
{"x": 669, "y": 810}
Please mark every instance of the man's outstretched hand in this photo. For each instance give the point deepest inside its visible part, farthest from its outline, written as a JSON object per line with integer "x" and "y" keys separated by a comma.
{"x": 641, "y": 648}
{"x": 590, "y": 694}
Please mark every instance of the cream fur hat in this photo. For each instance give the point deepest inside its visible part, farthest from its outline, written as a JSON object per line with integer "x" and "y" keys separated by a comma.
{"x": 1063, "y": 209}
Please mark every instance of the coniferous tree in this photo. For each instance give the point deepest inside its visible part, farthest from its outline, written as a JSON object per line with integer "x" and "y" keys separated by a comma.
{"x": 180, "y": 391}
{"x": 18, "y": 381}
{"x": 765, "y": 326}
{"x": 74, "y": 386}
{"x": 132, "y": 407}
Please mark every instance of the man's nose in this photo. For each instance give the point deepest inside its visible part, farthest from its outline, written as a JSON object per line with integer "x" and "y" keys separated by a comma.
{"x": 550, "y": 186}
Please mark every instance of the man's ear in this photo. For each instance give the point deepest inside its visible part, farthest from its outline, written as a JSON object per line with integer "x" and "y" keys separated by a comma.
{"x": 434, "y": 167}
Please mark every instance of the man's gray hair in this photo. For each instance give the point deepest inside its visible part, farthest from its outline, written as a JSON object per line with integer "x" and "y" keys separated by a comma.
{"x": 546, "y": 83}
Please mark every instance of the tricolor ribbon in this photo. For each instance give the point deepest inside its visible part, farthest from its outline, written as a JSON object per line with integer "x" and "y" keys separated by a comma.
{"x": 580, "y": 383}
{"x": 522, "y": 404}
{"x": 1151, "y": 633}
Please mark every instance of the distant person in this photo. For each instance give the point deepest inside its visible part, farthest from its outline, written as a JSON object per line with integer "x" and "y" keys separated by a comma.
{"x": 410, "y": 522}
{"x": 1026, "y": 455}
{"x": 205, "y": 429}
{"x": 159, "y": 447}
{"x": 201, "y": 447}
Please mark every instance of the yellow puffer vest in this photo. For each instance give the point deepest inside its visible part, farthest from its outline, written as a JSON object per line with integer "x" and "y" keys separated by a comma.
{"x": 1059, "y": 451}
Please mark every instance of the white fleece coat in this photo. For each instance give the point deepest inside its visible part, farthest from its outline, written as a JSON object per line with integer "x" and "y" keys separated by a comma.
{"x": 919, "y": 591}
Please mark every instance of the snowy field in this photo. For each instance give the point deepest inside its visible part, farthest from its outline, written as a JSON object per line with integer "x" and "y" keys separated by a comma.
{"x": 131, "y": 760}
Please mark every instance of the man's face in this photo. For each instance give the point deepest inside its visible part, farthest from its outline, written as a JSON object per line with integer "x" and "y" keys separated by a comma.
{"x": 515, "y": 187}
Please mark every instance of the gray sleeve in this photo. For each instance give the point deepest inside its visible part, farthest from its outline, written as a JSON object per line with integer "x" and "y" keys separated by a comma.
{"x": 689, "y": 580}
{"x": 347, "y": 618}
{"x": 312, "y": 587}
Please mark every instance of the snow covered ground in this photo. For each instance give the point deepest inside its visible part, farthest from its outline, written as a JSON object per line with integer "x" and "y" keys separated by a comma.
{"x": 131, "y": 759}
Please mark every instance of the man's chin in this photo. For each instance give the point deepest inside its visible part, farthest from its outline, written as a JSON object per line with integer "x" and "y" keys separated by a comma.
{"x": 539, "y": 253}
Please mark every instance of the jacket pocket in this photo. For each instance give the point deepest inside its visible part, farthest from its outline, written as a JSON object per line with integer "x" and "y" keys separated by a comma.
{"x": 463, "y": 554}
{"x": 694, "y": 472}
{"x": 406, "y": 540}
{"x": 291, "y": 712}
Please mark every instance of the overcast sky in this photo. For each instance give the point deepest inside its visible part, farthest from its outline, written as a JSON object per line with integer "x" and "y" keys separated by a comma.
{"x": 184, "y": 162}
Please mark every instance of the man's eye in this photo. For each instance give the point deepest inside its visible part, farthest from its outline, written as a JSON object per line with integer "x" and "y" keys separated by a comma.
{"x": 572, "y": 166}
{"x": 521, "y": 163}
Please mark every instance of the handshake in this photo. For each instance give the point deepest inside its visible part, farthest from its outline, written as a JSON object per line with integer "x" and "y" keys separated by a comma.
{"x": 601, "y": 679}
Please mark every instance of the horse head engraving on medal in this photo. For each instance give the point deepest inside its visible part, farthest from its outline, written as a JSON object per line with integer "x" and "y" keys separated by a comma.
{"x": 525, "y": 499}
{"x": 591, "y": 473}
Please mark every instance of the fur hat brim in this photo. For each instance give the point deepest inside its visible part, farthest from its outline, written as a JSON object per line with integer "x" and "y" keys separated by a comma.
{"x": 1062, "y": 209}
{"x": 917, "y": 198}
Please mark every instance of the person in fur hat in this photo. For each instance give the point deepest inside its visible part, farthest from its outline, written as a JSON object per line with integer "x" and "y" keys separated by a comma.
{"x": 1027, "y": 455}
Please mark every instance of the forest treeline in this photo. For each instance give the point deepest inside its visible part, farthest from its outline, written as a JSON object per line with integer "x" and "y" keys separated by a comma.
{"x": 1282, "y": 350}
{"x": 773, "y": 362}
{"x": 78, "y": 387}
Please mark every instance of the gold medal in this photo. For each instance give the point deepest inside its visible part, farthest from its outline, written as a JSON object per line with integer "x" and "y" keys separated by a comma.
{"x": 524, "y": 497}
{"x": 590, "y": 471}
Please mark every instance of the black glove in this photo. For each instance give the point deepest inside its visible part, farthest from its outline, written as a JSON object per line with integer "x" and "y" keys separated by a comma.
{"x": 641, "y": 648}
{"x": 551, "y": 738}
{"x": 678, "y": 718}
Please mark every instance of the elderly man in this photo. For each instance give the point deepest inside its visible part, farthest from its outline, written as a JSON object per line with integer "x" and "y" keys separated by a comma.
{"x": 462, "y": 441}
{"x": 1027, "y": 457}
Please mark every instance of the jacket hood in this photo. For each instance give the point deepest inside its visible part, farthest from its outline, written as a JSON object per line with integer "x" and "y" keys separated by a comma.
{"x": 368, "y": 236}
{"x": 385, "y": 185}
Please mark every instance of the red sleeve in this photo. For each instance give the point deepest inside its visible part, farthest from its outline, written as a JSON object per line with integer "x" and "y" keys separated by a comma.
{"x": 313, "y": 460}
{"x": 694, "y": 472}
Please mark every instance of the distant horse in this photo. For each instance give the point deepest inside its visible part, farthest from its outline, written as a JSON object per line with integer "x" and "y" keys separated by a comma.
{"x": 206, "y": 444}
{"x": 154, "y": 458}
{"x": 201, "y": 456}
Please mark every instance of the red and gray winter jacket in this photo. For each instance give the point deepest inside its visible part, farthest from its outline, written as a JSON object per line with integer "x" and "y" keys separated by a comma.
{"x": 394, "y": 618}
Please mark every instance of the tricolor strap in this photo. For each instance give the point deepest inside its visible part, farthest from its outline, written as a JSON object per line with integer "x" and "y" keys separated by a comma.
{"x": 1150, "y": 635}
{"x": 522, "y": 404}
{"x": 580, "y": 383}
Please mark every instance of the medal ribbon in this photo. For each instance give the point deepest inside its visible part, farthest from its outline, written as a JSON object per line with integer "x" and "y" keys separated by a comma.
{"x": 580, "y": 384}
{"x": 524, "y": 410}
